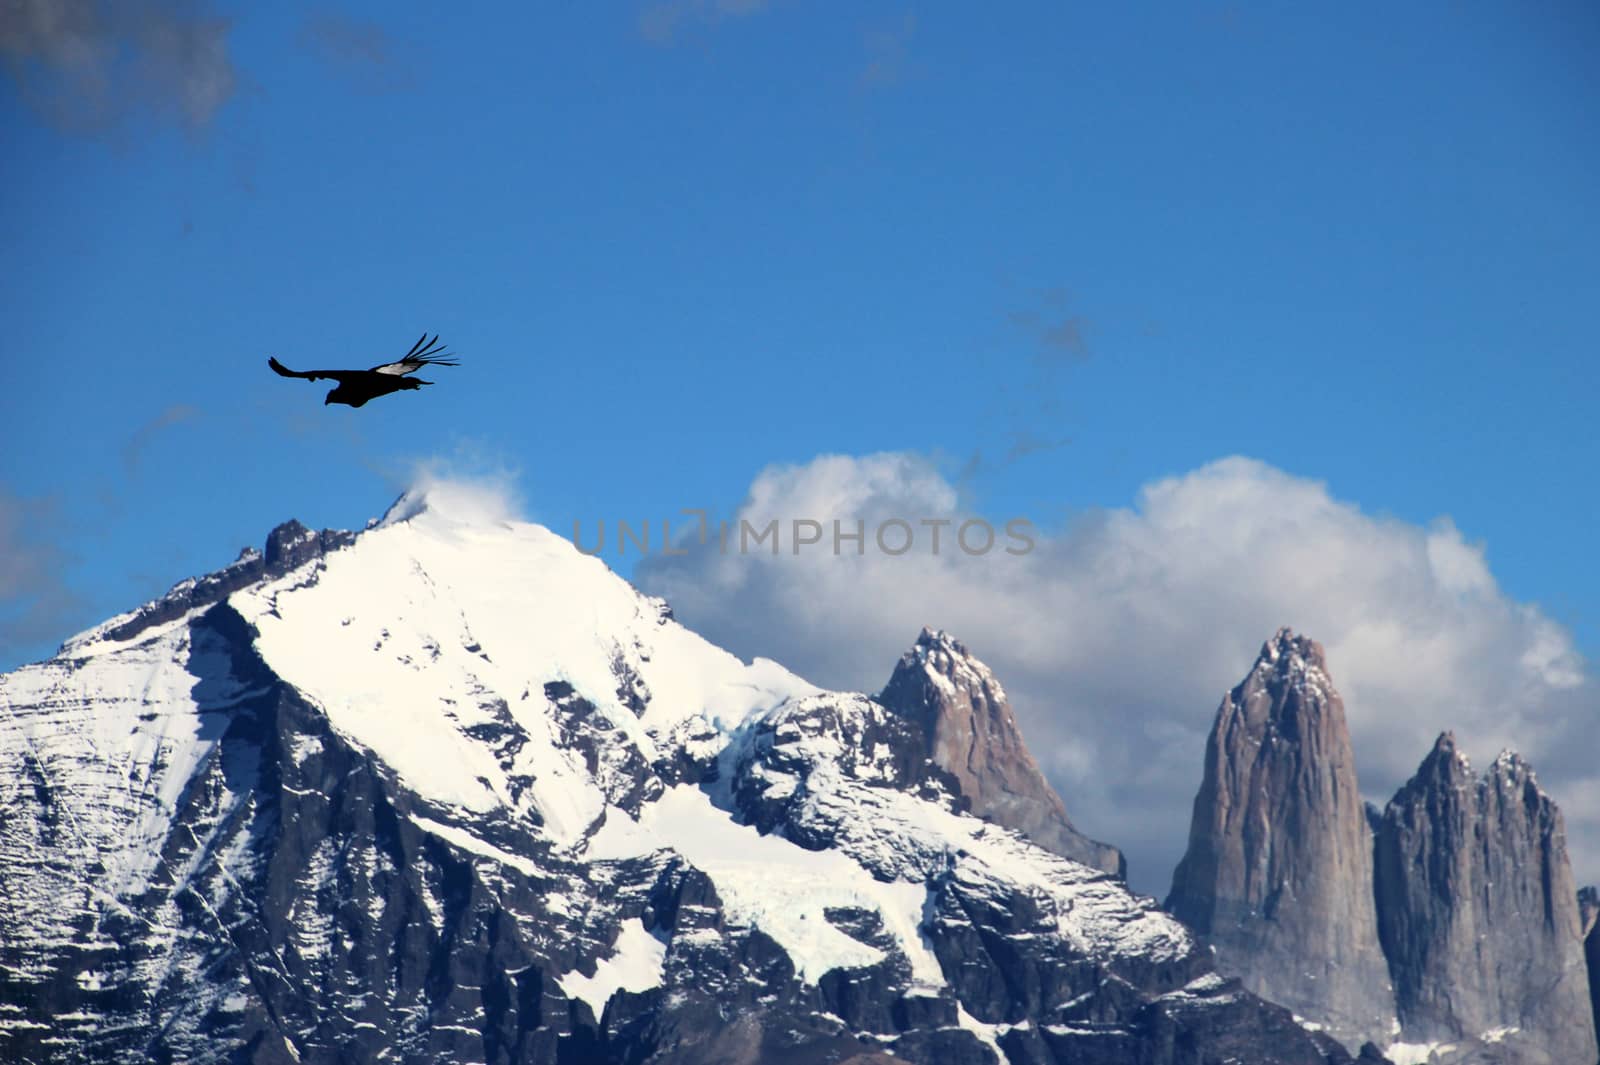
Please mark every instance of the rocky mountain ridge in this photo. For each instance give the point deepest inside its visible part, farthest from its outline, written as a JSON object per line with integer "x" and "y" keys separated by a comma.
{"x": 450, "y": 791}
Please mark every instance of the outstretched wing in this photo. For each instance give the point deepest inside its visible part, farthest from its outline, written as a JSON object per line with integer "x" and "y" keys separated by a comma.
{"x": 424, "y": 352}
{"x": 310, "y": 375}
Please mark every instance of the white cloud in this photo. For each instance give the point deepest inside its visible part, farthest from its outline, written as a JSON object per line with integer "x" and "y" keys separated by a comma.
{"x": 1118, "y": 636}
{"x": 467, "y": 488}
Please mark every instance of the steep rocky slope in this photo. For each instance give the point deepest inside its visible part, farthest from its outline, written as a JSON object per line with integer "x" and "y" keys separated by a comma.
{"x": 962, "y": 711}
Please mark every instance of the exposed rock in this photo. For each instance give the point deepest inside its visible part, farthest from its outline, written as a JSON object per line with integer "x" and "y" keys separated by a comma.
{"x": 1589, "y": 917}
{"x": 1277, "y": 876}
{"x": 1479, "y": 917}
{"x": 970, "y": 732}
{"x": 289, "y": 546}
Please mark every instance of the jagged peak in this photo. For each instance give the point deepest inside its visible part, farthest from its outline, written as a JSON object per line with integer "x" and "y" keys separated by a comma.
{"x": 932, "y": 639}
{"x": 1509, "y": 762}
{"x": 1446, "y": 756}
{"x": 971, "y": 732}
{"x": 1287, "y": 652}
{"x": 1288, "y": 661}
{"x": 1448, "y": 764}
{"x": 944, "y": 660}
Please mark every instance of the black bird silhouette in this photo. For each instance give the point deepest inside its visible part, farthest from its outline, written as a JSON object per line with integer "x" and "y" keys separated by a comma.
{"x": 355, "y": 387}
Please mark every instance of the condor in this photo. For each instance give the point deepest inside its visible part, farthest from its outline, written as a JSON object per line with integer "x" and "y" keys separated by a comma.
{"x": 355, "y": 387}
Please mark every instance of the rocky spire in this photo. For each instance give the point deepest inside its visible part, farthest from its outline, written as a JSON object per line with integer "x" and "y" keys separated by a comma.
{"x": 1478, "y": 912}
{"x": 1278, "y": 872}
{"x": 972, "y": 735}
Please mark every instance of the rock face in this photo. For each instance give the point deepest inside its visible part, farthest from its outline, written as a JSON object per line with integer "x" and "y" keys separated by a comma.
{"x": 962, "y": 715}
{"x": 1277, "y": 876}
{"x": 1479, "y": 917}
{"x": 455, "y": 793}
{"x": 1589, "y": 919}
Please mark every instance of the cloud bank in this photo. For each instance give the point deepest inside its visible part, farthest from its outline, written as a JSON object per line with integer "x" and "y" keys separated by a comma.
{"x": 1118, "y": 636}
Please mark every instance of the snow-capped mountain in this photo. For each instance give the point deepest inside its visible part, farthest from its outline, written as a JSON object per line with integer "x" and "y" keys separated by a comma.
{"x": 450, "y": 791}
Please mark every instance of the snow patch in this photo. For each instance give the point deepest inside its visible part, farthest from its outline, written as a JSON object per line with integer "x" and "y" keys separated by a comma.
{"x": 464, "y": 840}
{"x": 770, "y": 883}
{"x": 636, "y": 963}
{"x": 1416, "y": 1053}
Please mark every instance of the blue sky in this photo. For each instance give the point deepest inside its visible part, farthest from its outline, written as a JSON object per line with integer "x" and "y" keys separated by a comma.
{"x": 1060, "y": 250}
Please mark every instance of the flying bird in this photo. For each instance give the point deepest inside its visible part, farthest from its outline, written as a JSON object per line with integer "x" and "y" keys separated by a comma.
{"x": 355, "y": 387}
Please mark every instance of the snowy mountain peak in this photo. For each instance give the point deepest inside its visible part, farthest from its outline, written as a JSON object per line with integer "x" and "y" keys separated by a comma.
{"x": 437, "y": 628}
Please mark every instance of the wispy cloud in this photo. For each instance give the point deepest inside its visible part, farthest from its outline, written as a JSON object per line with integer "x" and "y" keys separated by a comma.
{"x": 361, "y": 50}
{"x": 133, "y": 450}
{"x": 889, "y": 53}
{"x": 35, "y": 602}
{"x": 1025, "y": 443}
{"x": 477, "y": 501}
{"x": 1057, "y": 333}
{"x": 89, "y": 65}
{"x": 663, "y": 21}
{"x": 475, "y": 481}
